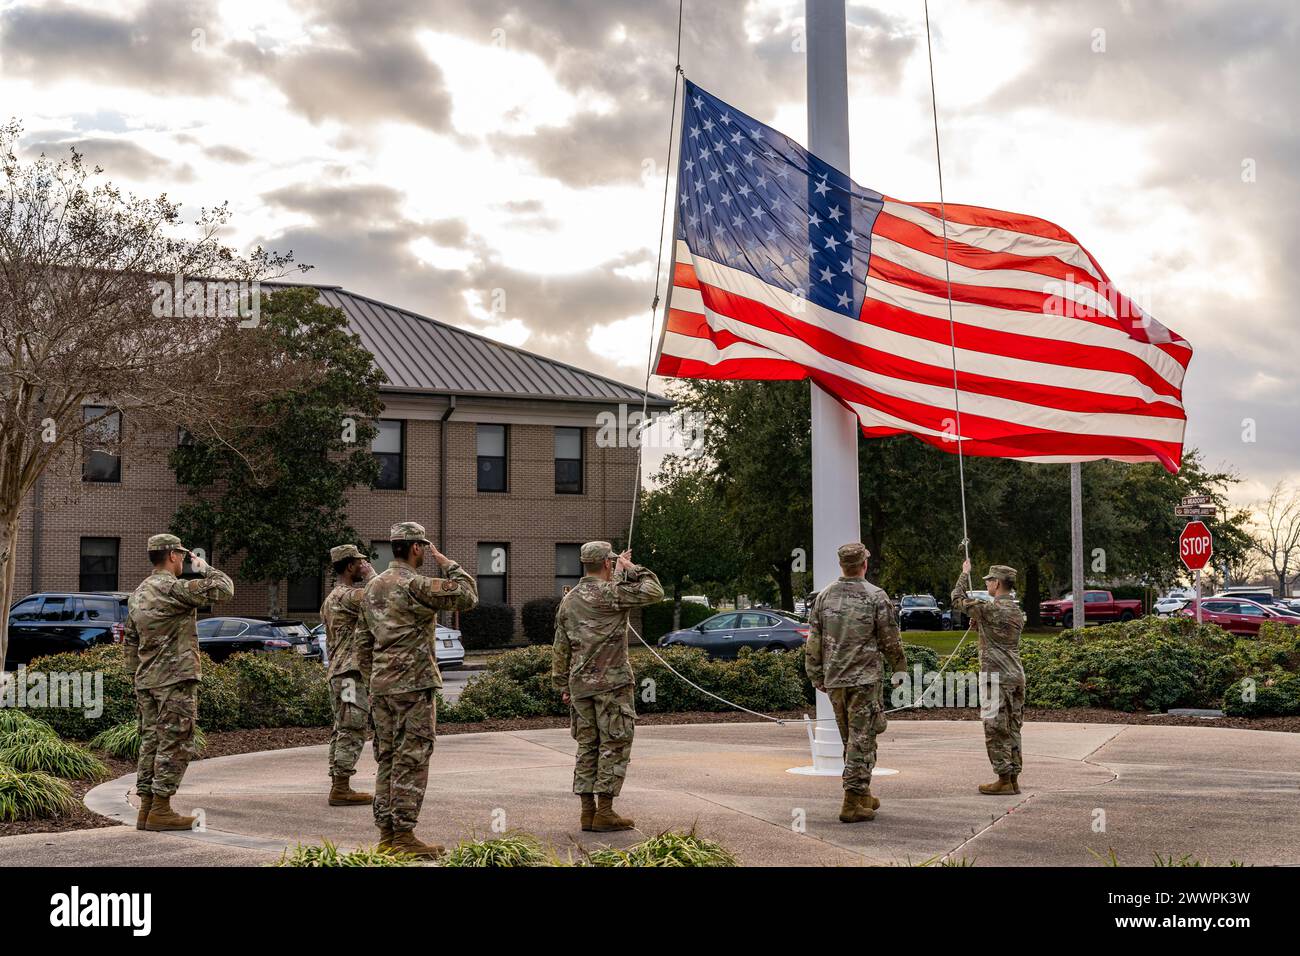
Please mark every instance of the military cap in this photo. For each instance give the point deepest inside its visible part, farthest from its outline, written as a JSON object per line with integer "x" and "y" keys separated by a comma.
{"x": 165, "y": 542}
{"x": 345, "y": 551}
{"x": 1002, "y": 572}
{"x": 408, "y": 531}
{"x": 854, "y": 553}
{"x": 594, "y": 551}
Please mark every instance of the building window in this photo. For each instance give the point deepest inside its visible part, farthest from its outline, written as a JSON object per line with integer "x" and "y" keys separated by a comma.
{"x": 389, "y": 447}
{"x": 102, "y": 432}
{"x": 568, "y": 567}
{"x": 491, "y": 457}
{"x": 305, "y": 594}
{"x": 491, "y": 578}
{"x": 384, "y": 555}
{"x": 568, "y": 461}
{"x": 98, "y": 564}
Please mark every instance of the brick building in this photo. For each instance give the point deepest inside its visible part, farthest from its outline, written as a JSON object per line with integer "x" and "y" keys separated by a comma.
{"x": 492, "y": 448}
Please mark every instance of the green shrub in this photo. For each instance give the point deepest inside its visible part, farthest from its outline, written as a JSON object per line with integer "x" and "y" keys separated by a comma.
{"x": 12, "y": 721}
{"x": 279, "y": 690}
{"x": 538, "y": 618}
{"x": 1275, "y": 694}
{"x": 330, "y": 855}
{"x": 488, "y": 625}
{"x": 490, "y": 695}
{"x": 657, "y": 619}
{"x": 508, "y": 850}
{"x": 32, "y": 795}
{"x": 118, "y": 693}
{"x": 220, "y": 707}
{"x": 123, "y": 741}
{"x": 667, "y": 849}
{"x": 39, "y": 752}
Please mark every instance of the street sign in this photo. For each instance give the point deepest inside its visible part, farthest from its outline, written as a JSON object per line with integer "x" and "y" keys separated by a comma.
{"x": 1195, "y": 546}
{"x": 1195, "y": 511}
{"x": 1197, "y": 500}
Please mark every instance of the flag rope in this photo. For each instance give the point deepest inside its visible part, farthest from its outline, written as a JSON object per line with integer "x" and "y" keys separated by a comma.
{"x": 645, "y": 392}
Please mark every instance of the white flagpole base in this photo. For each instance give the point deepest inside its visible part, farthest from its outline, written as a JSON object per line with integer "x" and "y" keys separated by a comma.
{"x": 827, "y": 746}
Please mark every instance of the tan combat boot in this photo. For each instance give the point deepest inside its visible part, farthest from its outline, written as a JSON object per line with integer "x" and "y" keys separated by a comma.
{"x": 385, "y": 837}
{"x": 146, "y": 801}
{"x": 342, "y": 794}
{"x": 873, "y": 802}
{"x": 857, "y": 808}
{"x": 606, "y": 820}
{"x": 1006, "y": 783}
{"x": 163, "y": 817}
{"x": 405, "y": 841}
{"x": 588, "y": 810}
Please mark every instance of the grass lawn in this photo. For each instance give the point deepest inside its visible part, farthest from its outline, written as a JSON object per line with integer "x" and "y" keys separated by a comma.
{"x": 942, "y": 642}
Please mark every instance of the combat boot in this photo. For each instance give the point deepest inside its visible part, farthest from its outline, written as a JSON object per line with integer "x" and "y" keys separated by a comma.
{"x": 163, "y": 817}
{"x": 873, "y": 802}
{"x": 405, "y": 841}
{"x": 857, "y": 808}
{"x": 385, "y": 837}
{"x": 606, "y": 820}
{"x": 342, "y": 794}
{"x": 588, "y": 810}
{"x": 1006, "y": 783}
{"x": 146, "y": 801}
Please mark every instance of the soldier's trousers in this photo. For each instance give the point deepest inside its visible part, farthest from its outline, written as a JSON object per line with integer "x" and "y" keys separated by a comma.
{"x": 166, "y": 716}
{"x": 860, "y": 714}
{"x": 350, "y": 702}
{"x": 603, "y": 726}
{"x": 1002, "y": 729}
{"x": 404, "y": 731}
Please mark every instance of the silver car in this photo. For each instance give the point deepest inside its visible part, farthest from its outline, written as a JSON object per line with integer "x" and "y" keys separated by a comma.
{"x": 450, "y": 651}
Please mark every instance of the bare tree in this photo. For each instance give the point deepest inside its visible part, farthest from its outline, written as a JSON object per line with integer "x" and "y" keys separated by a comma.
{"x": 95, "y": 310}
{"x": 1277, "y": 537}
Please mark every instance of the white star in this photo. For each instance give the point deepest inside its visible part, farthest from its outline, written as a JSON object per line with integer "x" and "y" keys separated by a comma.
{"x": 736, "y": 138}
{"x": 699, "y": 187}
{"x": 699, "y": 101}
{"x": 731, "y": 169}
{"x": 744, "y": 190}
{"x": 755, "y": 212}
{"x": 704, "y": 154}
{"x": 708, "y": 208}
{"x": 847, "y": 266}
{"x": 714, "y": 176}
{"x": 738, "y": 220}
{"x": 708, "y": 126}
{"x": 835, "y": 213}
{"x": 692, "y": 219}
{"x": 695, "y": 131}
{"x": 726, "y": 199}
{"x": 718, "y": 148}
{"x": 851, "y": 238}
{"x": 827, "y": 275}
{"x": 782, "y": 173}
{"x": 771, "y": 156}
{"x": 771, "y": 235}
{"x": 749, "y": 159}
{"x": 761, "y": 181}
{"x": 726, "y": 119}
{"x": 831, "y": 243}
{"x": 814, "y": 219}
{"x": 821, "y": 188}
{"x": 690, "y": 165}
{"x": 842, "y": 300}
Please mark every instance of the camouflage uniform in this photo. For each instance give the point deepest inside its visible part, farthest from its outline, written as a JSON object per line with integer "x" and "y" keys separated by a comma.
{"x": 852, "y": 625}
{"x": 349, "y": 670}
{"x": 589, "y": 661}
{"x": 162, "y": 660}
{"x": 1000, "y": 623}
{"x": 398, "y": 632}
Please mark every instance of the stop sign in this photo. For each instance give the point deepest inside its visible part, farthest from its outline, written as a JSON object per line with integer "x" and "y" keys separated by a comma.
{"x": 1195, "y": 546}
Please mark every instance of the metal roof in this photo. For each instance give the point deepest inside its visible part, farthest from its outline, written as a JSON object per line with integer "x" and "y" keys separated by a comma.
{"x": 420, "y": 354}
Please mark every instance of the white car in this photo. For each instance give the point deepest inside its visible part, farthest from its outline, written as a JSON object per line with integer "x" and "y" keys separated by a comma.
{"x": 1169, "y": 605}
{"x": 450, "y": 650}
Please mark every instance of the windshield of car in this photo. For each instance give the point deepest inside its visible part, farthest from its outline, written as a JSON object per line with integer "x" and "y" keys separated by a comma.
{"x": 919, "y": 601}
{"x": 290, "y": 630}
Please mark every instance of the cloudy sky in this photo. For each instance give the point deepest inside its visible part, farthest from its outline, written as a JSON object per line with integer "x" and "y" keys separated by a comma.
{"x": 452, "y": 156}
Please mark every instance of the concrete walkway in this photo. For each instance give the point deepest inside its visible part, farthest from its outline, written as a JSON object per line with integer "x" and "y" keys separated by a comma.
{"x": 1214, "y": 793}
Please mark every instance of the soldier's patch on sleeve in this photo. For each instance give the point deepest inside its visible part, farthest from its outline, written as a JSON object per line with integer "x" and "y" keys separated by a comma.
{"x": 448, "y": 584}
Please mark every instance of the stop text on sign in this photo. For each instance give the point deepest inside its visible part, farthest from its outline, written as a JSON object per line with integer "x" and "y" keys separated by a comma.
{"x": 1195, "y": 545}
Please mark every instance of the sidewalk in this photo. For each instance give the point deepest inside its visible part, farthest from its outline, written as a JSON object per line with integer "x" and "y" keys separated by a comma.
{"x": 1214, "y": 793}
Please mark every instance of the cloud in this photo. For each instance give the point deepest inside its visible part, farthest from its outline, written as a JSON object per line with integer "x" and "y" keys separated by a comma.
{"x": 118, "y": 157}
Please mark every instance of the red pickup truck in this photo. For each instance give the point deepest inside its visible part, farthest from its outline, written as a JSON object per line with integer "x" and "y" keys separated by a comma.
{"x": 1099, "y": 607}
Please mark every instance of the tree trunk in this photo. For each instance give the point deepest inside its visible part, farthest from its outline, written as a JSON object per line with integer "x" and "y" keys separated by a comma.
{"x": 8, "y": 568}
{"x": 785, "y": 582}
{"x": 273, "y": 598}
{"x": 1031, "y": 598}
{"x": 677, "y": 607}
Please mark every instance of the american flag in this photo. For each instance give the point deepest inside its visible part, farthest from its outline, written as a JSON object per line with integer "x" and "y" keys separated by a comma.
{"x": 787, "y": 269}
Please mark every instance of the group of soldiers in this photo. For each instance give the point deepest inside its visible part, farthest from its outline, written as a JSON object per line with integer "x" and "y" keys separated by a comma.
{"x": 853, "y": 631}
{"x": 384, "y": 678}
{"x": 383, "y": 674}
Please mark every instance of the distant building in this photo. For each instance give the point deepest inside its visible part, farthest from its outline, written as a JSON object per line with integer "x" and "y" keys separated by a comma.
{"x": 492, "y": 448}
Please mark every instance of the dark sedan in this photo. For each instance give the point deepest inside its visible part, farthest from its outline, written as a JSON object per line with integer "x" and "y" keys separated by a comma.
{"x": 53, "y": 623}
{"x": 723, "y": 635}
{"x": 219, "y": 637}
{"x": 921, "y": 612}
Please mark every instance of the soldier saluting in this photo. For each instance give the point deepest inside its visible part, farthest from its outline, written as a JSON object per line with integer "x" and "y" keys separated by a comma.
{"x": 399, "y": 630}
{"x": 349, "y": 672}
{"x": 589, "y": 666}
{"x": 162, "y": 660}
{"x": 852, "y": 625}
{"x": 1000, "y": 623}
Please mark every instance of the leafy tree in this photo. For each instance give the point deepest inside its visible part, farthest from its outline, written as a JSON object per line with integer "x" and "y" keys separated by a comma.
{"x": 276, "y": 491}
{"x": 1277, "y": 539}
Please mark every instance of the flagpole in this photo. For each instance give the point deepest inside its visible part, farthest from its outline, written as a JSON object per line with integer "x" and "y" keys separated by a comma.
{"x": 834, "y": 427}
{"x": 1078, "y": 613}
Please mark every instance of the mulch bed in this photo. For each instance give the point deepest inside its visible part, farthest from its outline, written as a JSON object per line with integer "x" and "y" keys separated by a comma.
{"x": 231, "y": 742}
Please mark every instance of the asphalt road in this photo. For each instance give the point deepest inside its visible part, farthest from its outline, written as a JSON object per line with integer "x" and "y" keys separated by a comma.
{"x": 453, "y": 682}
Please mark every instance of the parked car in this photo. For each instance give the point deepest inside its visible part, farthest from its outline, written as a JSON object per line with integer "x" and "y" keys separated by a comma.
{"x": 220, "y": 637}
{"x": 1099, "y": 607}
{"x": 955, "y": 618}
{"x": 1170, "y": 605}
{"x": 919, "y": 612}
{"x": 1238, "y": 615}
{"x": 450, "y": 651}
{"x": 56, "y": 622}
{"x": 723, "y": 635}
